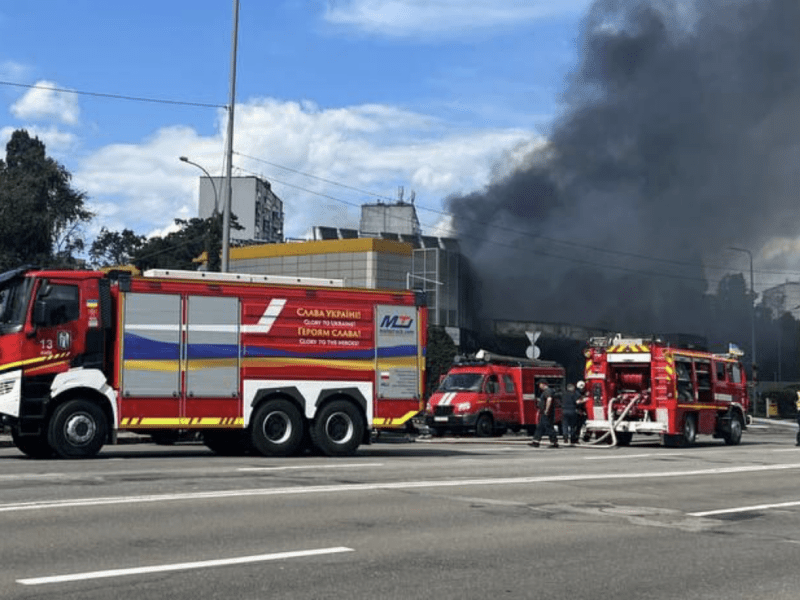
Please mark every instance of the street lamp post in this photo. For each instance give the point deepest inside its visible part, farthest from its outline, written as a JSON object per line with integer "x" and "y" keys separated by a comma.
{"x": 214, "y": 214}
{"x": 752, "y": 311}
{"x": 211, "y": 179}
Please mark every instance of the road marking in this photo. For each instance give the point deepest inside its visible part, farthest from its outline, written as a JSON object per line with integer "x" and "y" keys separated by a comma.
{"x": 23, "y": 476}
{"x": 364, "y": 487}
{"x": 741, "y": 509}
{"x": 304, "y": 467}
{"x": 608, "y": 457}
{"x": 203, "y": 564}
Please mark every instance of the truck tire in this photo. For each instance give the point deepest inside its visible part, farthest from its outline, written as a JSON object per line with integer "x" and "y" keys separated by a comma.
{"x": 35, "y": 446}
{"x": 78, "y": 429}
{"x": 338, "y": 429}
{"x": 733, "y": 435}
{"x": 689, "y": 431}
{"x": 484, "y": 426}
{"x": 226, "y": 442}
{"x": 277, "y": 428}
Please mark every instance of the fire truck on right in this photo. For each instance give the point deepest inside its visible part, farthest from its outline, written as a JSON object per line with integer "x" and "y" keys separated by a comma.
{"x": 647, "y": 386}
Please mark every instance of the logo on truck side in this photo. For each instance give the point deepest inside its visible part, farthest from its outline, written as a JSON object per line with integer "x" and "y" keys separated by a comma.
{"x": 269, "y": 317}
{"x": 397, "y": 322}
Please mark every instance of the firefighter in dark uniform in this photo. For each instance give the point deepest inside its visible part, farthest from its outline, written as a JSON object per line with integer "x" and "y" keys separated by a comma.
{"x": 547, "y": 407}
{"x": 797, "y": 405}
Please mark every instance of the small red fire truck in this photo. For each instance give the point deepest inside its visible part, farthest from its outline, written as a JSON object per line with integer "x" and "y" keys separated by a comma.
{"x": 253, "y": 362}
{"x": 489, "y": 393}
{"x": 647, "y": 386}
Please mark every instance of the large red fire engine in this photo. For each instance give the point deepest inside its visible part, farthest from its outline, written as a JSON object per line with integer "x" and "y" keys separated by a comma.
{"x": 262, "y": 363}
{"x": 647, "y": 386}
{"x": 489, "y": 393}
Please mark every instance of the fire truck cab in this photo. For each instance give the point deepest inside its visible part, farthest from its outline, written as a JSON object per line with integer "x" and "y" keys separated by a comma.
{"x": 649, "y": 387}
{"x": 488, "y": 393}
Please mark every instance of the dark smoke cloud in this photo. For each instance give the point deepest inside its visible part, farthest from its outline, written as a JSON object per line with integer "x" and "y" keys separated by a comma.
{"x": 679, "y": 139}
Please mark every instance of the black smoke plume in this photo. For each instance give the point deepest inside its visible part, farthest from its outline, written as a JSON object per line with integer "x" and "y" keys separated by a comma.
{"x": 679, "y": 139}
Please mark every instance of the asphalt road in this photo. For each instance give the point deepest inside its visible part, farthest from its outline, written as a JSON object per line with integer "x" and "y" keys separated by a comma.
{"x": 429, "y": 519}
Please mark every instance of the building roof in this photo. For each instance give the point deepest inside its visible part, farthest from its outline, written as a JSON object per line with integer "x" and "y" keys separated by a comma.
{"x": 321, "y": 247}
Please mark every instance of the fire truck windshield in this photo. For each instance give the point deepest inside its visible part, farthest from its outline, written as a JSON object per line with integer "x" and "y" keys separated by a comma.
{"x": 14, "y": 296}
{"x": 470, "y": 382}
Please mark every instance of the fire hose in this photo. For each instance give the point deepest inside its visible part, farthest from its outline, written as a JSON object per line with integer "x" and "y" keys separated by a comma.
{"x": 612, "y": 424}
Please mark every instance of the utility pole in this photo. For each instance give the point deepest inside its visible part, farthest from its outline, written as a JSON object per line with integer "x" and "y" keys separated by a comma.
{"x": 226, "y": 210}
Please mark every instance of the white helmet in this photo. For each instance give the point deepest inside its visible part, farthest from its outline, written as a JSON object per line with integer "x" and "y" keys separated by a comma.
{"x": 580, "y": 385}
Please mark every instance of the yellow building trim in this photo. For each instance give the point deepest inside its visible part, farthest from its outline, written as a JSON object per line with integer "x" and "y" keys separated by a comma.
{"x": 321, "y": 247}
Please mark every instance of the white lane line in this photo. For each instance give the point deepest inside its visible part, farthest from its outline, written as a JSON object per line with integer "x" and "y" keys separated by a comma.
{"x": 203, "y": 564}
{"x": 608, "y": 457}
{"x": 741, "y": 509}
{"x": 306, "y": 467}
{"x": 34, "y": 476}
{"x": 394, "y": 485}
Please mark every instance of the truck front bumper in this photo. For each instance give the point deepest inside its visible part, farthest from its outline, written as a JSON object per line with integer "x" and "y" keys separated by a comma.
{"x": 452, "y": 422}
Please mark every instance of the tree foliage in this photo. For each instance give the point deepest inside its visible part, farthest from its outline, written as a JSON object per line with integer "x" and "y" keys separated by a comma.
{"x": 438, "y": 357}
{"x": 41, "y": 215}
{"x": 115, "y": 248}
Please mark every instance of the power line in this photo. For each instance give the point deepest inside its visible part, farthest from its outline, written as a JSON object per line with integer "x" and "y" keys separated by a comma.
{"x": 113, "y": 96}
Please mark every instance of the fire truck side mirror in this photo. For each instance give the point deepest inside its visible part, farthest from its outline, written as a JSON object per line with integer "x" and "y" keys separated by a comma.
{"x": 40, "y": 311}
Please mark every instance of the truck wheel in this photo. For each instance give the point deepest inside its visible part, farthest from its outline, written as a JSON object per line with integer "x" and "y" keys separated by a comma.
{"x": 338, "y": 429}
{"x": 436, "y": 431}
{"x": 35, "y": 446}
{"x": 226, "y": 442}
{"x": 277, "y": 428}
{"x": 689, "y": 432}
{"x": 733, "y": 436}
{"x": 77, "y": 429}
{"x": 484, "y": 427}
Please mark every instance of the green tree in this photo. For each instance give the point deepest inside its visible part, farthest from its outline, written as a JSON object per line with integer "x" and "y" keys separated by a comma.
{"x": 179, "y": 249}
{"x": 438, "y": 357}
{"x": 41, "y": 215}
{"x": 114, "y": 248}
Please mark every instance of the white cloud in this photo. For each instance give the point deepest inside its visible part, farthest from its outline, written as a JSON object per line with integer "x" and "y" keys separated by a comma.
{"x": 415, "y": 18}
{"x": 45, "y": 103}
{"x": 55, "y": 141}
{"x": 368, "y": 149}
{"x": 13, "y": 71}
{"x": 144, "y": 186}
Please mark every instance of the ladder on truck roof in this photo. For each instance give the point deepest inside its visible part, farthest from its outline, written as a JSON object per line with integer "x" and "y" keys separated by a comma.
{"x": 243, "y": 278}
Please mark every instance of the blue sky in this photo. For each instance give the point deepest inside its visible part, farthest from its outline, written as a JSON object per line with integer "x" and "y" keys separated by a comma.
{"x": 431, "y": 95}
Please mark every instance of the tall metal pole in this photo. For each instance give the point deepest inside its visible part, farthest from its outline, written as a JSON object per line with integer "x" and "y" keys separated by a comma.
{"x": 226, "y": 211}
{"x": 212, "y": 250}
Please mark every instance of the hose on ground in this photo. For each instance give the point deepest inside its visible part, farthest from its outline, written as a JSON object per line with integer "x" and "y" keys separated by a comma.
{"x": 612, "y": 425}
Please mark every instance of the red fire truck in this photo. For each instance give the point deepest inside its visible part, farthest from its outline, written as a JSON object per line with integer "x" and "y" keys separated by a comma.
{"x": 650, "y": 387}
{"x": 256, "y": 363}
{"x": 489, "y": 393}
